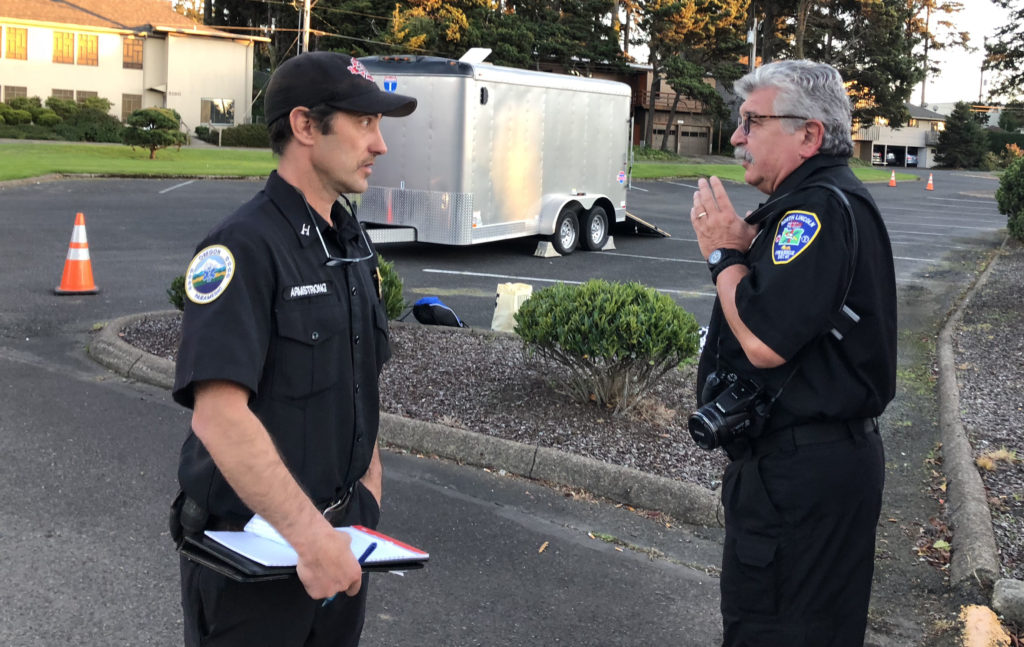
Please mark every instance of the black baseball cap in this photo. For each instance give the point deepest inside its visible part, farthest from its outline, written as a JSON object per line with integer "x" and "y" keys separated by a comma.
{"x": 337, "y": 80}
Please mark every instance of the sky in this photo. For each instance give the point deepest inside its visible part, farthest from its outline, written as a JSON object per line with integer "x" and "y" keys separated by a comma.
{"x": 961, "y": 71}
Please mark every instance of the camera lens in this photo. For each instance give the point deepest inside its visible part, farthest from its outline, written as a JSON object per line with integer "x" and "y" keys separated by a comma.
{"x": 704, "y": 425}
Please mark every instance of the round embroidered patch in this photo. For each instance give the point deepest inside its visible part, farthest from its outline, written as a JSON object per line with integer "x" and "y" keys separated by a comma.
{"x": 209, "y": 273}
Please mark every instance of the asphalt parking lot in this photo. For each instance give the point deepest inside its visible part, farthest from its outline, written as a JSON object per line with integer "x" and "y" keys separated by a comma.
{"x": 88, "y": 458}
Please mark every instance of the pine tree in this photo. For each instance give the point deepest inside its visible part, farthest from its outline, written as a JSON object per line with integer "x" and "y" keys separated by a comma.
{"x": 964, "y": 142}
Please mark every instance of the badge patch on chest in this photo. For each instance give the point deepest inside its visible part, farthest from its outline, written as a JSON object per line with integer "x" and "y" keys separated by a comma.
{"x": 794, "y": 233}
{"x": 209, "y": 274}
{"x": 307, "y": 291}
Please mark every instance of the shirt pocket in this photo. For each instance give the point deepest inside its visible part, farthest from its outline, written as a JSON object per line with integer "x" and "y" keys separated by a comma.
{"x": 311, "y": 351}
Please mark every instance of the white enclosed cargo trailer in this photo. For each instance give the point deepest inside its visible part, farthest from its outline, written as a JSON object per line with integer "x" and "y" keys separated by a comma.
{"x": 494, "y": 152}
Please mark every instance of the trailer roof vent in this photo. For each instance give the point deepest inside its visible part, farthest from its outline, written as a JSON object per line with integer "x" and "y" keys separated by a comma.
{"x": 475, "y": 55}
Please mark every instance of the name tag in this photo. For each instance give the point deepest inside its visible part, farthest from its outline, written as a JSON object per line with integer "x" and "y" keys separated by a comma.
{"x": 307, "y": 291}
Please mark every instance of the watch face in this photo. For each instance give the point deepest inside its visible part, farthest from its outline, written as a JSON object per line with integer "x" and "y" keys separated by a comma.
{"x": 715, "y": 256}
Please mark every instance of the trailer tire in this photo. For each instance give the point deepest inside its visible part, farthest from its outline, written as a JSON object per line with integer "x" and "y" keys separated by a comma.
{"x": 567, "y": 232}
{"x": 595, "y": 228}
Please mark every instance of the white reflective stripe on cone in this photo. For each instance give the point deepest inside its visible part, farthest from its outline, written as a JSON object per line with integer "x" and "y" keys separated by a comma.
{"x": 81, "y": 254}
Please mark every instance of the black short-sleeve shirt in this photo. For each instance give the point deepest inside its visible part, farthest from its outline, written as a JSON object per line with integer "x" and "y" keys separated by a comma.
{"x": 800, "y": 266}
{"x": 307, "y": 340}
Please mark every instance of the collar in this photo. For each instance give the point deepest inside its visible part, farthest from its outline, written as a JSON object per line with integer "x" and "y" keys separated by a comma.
{"x": 804, "y": 171}
{"x": 292, "y": 206}
{"x": 765, "y": 211}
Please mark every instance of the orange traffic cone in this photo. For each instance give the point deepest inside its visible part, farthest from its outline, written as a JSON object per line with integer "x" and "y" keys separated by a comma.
{"x": 892, "y": 179}
{"x": 77, "y": 277}
{"x": 931, "y": 185}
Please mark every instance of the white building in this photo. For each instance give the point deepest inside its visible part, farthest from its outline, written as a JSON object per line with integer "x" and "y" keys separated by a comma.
{"x": 911, "y": 145}
{"x": 136, "y": 53}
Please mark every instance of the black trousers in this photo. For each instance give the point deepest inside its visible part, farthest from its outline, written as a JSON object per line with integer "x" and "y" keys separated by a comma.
{"x": 800, "y": 527}
{"x": 220, "y": 612}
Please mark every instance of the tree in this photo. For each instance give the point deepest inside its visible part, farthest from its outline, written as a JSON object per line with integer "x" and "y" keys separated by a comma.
{"x": 1004, "y": 54}
{"x": 964, "y": 142}
{"x": 1011, "y": 117}
{"x": 944, "y": 35}
{"x": 154, "y": 128}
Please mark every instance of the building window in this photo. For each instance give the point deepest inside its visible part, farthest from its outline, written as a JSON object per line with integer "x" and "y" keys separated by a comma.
{"x": 63, "y": 47}
{"x": 912, "y": 123}
{"x": 132, "y": 53}
{"x": 220, "y": 112}
{"x": 88, "y": 49}
{"x": 14, "y": 91}
{"x": 129, "y": 104}
{"x": 17, "y": 43}
{"x": 82, "y": 95}
{"x": 938, "y": 126}
{"x": 65, "y": 95}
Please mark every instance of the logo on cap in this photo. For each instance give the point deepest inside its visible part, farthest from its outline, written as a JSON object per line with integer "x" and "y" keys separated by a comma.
{"x": 357, "y": 68}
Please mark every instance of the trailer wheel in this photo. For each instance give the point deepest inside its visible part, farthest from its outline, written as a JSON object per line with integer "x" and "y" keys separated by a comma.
{"x": 595, "y": 228}
{"x": 567, "y": 232}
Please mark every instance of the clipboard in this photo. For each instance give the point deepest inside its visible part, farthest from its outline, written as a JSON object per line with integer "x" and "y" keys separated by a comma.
{"x": 260, "y": 554}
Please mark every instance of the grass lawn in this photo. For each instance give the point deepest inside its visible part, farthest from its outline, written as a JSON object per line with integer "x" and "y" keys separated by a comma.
{"x": 25, "y": 159}
{"x": 657, "y": 170}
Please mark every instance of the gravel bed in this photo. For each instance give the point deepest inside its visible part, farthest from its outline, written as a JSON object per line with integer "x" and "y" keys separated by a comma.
{"x": 487, "y": 383}
{"x": 989, "y": 350}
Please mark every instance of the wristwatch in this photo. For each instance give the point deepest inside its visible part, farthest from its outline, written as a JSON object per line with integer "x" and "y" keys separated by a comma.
{"x": 722, "y": 258}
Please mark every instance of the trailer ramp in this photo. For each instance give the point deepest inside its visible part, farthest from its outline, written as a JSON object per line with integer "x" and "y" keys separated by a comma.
{"x": 641, "y": 226}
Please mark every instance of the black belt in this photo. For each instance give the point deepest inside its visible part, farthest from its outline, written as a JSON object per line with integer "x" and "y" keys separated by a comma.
{"x": 333, "y": 509}
{"x": 812, "y": 433}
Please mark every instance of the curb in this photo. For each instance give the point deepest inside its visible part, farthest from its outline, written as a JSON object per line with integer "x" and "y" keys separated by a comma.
{"x": 685, "y": 502}
{"x": 974, "y": 564}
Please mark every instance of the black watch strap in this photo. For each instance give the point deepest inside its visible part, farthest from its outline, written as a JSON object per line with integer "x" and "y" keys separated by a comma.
{"x": 720, "y": 259}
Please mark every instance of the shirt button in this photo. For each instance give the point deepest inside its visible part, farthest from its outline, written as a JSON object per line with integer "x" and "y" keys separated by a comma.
{"x": 357, "y": 388}
{"x": 356, "y": 339}
{"x": 354, "y": 291}
{"x": 315, "y": 336}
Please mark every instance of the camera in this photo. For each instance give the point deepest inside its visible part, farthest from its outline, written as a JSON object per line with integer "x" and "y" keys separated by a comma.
{"x": 734, "y": 407}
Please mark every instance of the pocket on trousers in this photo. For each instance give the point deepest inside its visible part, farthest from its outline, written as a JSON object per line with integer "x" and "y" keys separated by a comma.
{"x": 369, "y": 509}
{"x": 750, "y": 587}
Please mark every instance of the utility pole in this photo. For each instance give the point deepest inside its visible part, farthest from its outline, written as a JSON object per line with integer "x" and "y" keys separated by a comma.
{"x": 752, "y": 39}
{"x": 927, "y": 40}
{"x": 304, "y": 41}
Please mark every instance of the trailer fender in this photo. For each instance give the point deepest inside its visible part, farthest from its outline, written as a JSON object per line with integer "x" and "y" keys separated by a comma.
{"x": 554, "y": 204}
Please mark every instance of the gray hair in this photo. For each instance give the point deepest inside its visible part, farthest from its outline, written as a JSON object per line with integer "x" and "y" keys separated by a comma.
{"x": 813, "y": 90}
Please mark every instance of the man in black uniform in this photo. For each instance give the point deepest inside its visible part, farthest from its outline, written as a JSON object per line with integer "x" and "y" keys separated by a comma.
{"x": 806, "y": 311}
{"x": 283, "y": 338}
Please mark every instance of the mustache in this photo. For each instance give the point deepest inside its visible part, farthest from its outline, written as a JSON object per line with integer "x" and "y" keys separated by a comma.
{"x": 741, "y": 153}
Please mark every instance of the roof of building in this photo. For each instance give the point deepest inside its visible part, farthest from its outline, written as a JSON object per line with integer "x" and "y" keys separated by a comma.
{"x": 128, "y": 15}
{"x": 916, "y": 112}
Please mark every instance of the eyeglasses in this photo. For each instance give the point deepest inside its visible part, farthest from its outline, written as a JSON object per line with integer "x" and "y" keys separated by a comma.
{"x": 334, "y": 261}
{"x": 744, "y": 121}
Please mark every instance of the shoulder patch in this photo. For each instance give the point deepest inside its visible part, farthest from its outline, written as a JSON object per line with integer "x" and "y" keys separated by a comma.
{"x": 794, "y": 233}
{"x": 209, "y": 274}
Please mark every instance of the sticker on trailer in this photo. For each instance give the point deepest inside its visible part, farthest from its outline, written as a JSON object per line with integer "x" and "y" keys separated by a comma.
{"x": 390, "y": 83}
{"x": 622, "y": 177}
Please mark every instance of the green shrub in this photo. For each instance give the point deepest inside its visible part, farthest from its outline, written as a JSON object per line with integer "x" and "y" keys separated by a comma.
{"x": 65, "y": 108}
{"x": 176, "y": 293}
{"x": 391, "y": 288}
{"x": 202, "y": 132}
{"x": 249, "y": 135}
{"x": 47, "y": 118}
{"x": 1010, "y": 197}
{"x": 153, "y": 129}
{"x": 2, "y": 121}
{"x": 25, "y": 103}
{"x": 90, "y": 124}
{"x": 15, "y": 116}
{"x": 616, "y": 339}
{"x": 27, "y": 131}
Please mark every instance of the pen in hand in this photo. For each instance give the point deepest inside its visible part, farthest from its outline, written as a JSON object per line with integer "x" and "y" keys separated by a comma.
{"x": 362, "y": 558}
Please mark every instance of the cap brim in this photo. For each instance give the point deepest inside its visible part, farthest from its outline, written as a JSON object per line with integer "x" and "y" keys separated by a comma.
{"x": 388, "y": 104}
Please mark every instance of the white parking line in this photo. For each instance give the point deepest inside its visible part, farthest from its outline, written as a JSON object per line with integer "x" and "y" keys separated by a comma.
{"x": 688, "y": 186}
{"x": 177, "y": 186}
